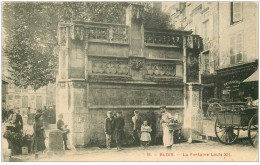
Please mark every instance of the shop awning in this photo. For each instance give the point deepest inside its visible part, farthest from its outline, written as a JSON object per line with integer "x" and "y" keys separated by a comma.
{"x": 253, "y": 77}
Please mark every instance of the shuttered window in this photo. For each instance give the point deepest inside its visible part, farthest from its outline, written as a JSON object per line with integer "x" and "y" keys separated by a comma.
{"x": 236, "y": 48}
{"x": 205, "y": 29}
{"x": 236, "y": 12}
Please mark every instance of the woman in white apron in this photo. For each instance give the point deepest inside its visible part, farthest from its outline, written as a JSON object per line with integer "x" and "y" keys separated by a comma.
{"x": 167, "y": 134}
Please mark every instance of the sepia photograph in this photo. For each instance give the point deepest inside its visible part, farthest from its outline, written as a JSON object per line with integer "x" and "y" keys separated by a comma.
{"x": 141, "y": 81}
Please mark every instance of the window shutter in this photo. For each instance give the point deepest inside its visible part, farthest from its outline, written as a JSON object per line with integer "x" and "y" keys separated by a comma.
{"x": 237, "y": 11}
{"x": 239, "y": 47}
{"x": 232, "y": 45}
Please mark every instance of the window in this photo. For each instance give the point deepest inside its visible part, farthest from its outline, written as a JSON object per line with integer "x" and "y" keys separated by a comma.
{"x": 10, "y": 97}
{"x": 38, "y": 102}
{"x": 17, "y": 101}
{"x": 25, "y": 101}
{"x": 236, "y": 48}
{"x": 206, "y": 63}
{"x": 236, "y": 12}
{"x": 205, "y": 29}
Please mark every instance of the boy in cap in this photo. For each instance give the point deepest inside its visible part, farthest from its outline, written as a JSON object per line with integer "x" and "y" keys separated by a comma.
{"x": 63, "y": 128}
{"x": 109, "y": 128}
{"x": 119, "y": 135}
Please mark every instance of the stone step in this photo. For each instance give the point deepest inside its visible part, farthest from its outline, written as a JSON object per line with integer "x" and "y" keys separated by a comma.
{"x": 209, "y": 137}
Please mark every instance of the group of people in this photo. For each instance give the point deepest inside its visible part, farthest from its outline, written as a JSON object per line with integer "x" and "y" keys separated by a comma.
{"x": 114, "y": 129}
{"x": 15, "y": 124}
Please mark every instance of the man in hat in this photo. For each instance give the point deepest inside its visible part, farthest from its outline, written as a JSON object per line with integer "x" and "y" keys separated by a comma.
{"x": 137, "y": 123}
{"x": 63, "y": 128}
{"x": 17, "y": 120}
{"x": 119, "y": 135}
{"x": 109, "y": 128}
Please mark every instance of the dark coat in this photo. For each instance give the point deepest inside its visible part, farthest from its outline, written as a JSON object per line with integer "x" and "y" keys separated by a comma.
{"x": 17, "y": 121}
{"x": 109, "y": 126}
{"x": 119, "y": 124}
{"x": 38, "y": 136}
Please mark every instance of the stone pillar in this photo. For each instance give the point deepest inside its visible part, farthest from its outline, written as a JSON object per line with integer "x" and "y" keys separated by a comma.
{"x": 71, "y": 80}
{"x": 193, "y": 114}
{"x": 136, "y": 39}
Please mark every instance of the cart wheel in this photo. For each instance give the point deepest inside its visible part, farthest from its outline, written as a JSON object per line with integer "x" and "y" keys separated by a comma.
{"x": 226, "y": 135}
{"x": 213, "y": 109}
{"x": 253, "y": 131}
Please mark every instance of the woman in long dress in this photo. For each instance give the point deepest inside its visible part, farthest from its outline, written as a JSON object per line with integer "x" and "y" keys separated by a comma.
{"x": 167, "y": 134}
{"x": 38, "y": 135}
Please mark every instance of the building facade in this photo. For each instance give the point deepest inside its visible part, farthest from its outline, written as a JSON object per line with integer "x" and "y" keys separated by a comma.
{"x": 230, "y": 44}
{"x": 126, "y": 67}
{"x": 24, "y": 98}
{"x": 4, "y": 91}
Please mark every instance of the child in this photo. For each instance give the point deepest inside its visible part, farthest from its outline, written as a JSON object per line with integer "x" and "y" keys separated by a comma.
{"x": 145, "y": 135}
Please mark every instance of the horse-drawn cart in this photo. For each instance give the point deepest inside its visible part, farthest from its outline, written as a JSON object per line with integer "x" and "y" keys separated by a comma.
{"x": 231, "y": 119}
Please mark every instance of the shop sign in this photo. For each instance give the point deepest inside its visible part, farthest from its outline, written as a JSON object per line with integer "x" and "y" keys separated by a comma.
{"x": 225, "y": 92}
{"x": 232, "y": 84}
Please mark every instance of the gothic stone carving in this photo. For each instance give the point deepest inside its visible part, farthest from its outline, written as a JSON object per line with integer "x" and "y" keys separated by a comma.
{"x": 110, "y": 67}
{"x": 118, "y": 34}
{"x": 137, "y": 11}
{"x": 161, "y": 69}
{"x": 194, "y": 42}
{"x": 62, "y": 36}
{"x": 136, "y": 63}
{"x": 163, "y": 38}
{"x": 77, "y": 32}
{"x": 98, "y": 33}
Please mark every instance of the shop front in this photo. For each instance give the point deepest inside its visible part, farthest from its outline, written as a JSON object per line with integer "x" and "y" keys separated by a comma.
{"x": 231, "y": 85}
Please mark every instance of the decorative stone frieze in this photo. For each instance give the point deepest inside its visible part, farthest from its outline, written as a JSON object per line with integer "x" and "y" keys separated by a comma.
{"x": 110, "y": 67}
{"x": 161, "y": 69}
{"x": 161, "y": 38}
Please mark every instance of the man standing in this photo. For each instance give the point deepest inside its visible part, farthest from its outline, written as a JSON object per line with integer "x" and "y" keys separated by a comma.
{"x": 119, "y": 135}
{"x": 109, "y": 129}
{"x": 137, "y": 121}
{"x": 63, "y": 128}
{"x": 17, "y": 120}
{"x": 167, "y": 134}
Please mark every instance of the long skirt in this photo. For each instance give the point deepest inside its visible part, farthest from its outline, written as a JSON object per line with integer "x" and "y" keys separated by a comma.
{"x": 38, "y": 142}
{"x": 167, "y": 136}
{"x": 119, "y": 136}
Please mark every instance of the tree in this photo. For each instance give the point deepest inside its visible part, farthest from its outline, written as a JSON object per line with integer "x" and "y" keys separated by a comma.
{"x": 31, "y": 33}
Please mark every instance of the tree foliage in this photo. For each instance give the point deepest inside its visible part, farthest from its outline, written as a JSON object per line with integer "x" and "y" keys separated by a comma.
{"x": 30, "y": 30}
